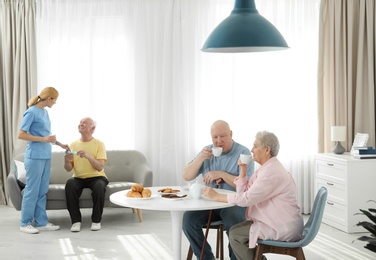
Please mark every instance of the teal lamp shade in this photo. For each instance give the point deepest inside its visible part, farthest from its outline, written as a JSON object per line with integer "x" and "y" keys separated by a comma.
{"x": 245, "y": 30}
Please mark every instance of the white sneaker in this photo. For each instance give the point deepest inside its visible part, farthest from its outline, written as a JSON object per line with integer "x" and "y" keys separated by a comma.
{"x": 29, "y": 229}
{"x": 49, "y": 227}
{"x": 95, "y": 226}
{"x": 76, "y": 227}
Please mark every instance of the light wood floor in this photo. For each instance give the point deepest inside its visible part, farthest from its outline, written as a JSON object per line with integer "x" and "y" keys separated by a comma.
{"x": 123, "y": 237}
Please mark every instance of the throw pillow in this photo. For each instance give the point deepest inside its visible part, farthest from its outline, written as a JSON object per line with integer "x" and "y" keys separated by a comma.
{"x": 20, "y": 173}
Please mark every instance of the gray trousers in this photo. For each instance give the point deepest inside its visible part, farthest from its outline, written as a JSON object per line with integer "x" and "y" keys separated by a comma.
{"x": 239, "y": 239}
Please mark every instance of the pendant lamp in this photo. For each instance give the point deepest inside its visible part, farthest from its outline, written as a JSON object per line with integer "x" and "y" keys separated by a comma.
{"x": 245, "y": 30}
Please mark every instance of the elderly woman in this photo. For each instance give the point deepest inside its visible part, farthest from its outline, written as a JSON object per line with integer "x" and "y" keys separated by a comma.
{"x": 270, "y": 197}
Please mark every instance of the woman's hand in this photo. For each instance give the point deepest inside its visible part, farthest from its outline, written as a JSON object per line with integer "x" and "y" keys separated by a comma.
{"x": 64, "y": 146}
{"x": 212, "y": 194}
{"x": 243, "y": 169}
{"x": 51, "y": 139}
{"x": 242, "y": 164}
{"x": 209, "y": 193}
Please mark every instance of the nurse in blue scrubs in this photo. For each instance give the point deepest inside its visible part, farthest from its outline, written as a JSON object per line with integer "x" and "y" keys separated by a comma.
{"x": 36, "y": 130}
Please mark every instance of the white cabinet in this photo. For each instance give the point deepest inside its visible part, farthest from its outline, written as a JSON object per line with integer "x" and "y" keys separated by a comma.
{"x": 350, "y": 183}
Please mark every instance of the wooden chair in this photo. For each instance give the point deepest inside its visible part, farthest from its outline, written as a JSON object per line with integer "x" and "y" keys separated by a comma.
{"x": 219, "y": 226}
{"x": 310, "y": 231}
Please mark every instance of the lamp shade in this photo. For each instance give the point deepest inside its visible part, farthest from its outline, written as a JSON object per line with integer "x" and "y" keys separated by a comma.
{"x": 245, "y": 30}
{"x": 338, "y": 133}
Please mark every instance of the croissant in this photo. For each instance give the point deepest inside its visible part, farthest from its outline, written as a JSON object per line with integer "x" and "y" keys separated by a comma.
{"x": 146, "y": 193}
{"x": 134, "y": 194}
{"x": 137, "y": 187}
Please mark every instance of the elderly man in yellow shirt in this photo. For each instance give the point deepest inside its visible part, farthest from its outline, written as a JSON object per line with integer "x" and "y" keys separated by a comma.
{"x": 86, "y": 158}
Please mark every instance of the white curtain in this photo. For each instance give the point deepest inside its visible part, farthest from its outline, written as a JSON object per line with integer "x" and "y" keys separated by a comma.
{"x": 136, "y": 67}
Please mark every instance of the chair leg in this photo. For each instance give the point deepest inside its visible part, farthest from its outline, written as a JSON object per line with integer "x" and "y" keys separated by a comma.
{"x": 190, "y": 253}
{"x": 260, "y": 250}
{"x": 217, "y": 244}
{"x": 221, "y": 229}
{"x": 299, "y": 254}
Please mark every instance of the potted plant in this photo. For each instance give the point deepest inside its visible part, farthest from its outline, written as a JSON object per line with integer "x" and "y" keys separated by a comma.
{"x": 369, "y": 226}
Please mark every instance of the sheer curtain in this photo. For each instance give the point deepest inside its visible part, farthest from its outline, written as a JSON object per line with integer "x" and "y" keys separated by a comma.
{"x": 136, "y": 67}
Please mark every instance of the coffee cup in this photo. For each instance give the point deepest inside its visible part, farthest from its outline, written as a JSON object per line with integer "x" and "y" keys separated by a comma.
{"x": 217, "y": 151}
{"x": 245, "y": 158}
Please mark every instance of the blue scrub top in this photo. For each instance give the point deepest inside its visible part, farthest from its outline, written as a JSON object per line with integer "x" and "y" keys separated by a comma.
{"x": 37, "y": 122}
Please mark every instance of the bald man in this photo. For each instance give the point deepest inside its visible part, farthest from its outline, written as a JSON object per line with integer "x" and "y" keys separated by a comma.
{"x": 216, "y": 172}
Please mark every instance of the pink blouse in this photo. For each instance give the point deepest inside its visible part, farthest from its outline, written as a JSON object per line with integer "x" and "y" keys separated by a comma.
{"x": 271, "y": 197}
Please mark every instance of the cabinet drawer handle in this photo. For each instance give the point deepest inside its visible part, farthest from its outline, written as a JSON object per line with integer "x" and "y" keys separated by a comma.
{"x": 330, "y": 203}
{"x": 330, "y": 184}
{"x": 330, "y": 164}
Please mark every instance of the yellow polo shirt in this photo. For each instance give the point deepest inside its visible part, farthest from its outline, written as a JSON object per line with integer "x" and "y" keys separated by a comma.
{"x": 82, "y": 167}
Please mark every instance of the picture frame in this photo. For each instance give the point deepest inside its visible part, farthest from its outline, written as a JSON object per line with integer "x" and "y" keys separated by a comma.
{"x": 360, "y": 142}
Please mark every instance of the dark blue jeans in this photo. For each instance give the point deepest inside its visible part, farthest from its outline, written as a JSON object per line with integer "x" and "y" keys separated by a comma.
{"x": 194, "y": 221}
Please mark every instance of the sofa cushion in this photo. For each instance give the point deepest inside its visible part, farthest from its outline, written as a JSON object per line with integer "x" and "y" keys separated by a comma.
{"x": 58, "y": 174}
{"x": 20, "y": 172}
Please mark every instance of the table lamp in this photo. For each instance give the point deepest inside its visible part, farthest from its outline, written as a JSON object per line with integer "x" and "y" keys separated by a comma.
{"x": 338, "y": 134}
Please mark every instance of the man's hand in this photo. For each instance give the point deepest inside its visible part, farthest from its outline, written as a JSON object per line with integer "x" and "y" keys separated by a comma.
{"x": 68, "y": 157}
{"x": 96, "y": 163}
{"x": 191, "y": 169}
{"x": 83, "y": 154}
{"x": 212, "y": 176}
{"x": 205, "y": 153}
{"x": 68, "y": 162}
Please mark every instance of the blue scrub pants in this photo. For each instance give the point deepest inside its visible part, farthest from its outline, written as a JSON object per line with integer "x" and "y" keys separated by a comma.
{"x": 194, "y": 221}
{"x": 35, "y": 192}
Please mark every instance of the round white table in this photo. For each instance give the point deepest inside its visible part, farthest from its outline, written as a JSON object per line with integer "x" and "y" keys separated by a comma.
{"x": 176, "y": 208}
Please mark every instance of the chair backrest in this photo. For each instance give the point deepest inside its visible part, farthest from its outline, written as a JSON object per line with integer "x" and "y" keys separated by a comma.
{"x": 311, "y": 228}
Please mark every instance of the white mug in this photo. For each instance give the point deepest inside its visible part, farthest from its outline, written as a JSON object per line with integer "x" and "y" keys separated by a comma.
{"x": 245, "y": 158}
{"x": 217, "y": 151}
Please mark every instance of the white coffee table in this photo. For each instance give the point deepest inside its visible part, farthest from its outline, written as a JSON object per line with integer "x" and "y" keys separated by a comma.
{"x": 176, "y": 208}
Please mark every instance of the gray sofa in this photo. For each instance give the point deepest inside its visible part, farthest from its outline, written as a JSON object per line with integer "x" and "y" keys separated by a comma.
{"x": 123, "y": 169}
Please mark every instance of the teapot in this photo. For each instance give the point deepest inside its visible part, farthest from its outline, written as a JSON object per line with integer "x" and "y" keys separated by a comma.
{"x": 195, "y": 190}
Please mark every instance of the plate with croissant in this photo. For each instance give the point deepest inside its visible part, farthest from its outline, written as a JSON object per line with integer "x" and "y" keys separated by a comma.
{"x": 168, "y": 191}
{"x": 137, "y": 191}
